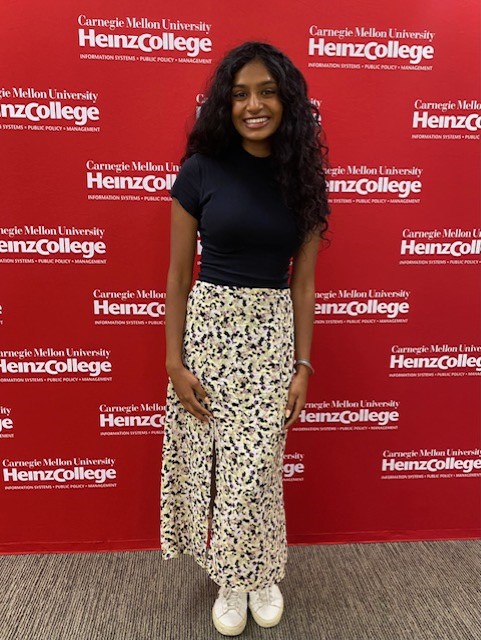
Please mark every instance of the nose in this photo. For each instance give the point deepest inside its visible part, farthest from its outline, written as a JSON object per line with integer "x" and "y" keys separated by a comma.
{"x": 253, "y": 103}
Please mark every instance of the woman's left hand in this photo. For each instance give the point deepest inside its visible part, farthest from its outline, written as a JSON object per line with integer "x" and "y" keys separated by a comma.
{"x": 297, "y": 395}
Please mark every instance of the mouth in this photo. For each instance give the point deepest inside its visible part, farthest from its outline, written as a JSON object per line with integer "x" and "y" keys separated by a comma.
{"x": 256, "y": 123}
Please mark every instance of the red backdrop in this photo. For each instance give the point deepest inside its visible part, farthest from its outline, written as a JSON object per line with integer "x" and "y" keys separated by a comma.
{"x": 95, "y": 101}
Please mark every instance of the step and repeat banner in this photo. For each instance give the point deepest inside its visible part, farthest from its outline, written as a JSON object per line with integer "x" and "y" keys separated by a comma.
{"x": 95, "y": 103}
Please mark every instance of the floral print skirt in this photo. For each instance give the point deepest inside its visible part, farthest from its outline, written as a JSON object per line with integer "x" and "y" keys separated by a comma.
{"x": 239, "y": 343}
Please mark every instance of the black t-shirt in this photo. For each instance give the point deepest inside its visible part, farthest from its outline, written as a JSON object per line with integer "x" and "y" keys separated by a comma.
{"x": 248, "y": 234}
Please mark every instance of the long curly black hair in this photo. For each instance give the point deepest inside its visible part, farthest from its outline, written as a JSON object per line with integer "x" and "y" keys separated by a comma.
{"x": 298, "y": 149}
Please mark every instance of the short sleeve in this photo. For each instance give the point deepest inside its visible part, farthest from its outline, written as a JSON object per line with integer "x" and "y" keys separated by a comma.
{"x": 186, "y": 187}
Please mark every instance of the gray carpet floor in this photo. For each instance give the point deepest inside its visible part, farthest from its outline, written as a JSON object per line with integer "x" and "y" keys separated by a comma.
{"x": 376, "y": 591}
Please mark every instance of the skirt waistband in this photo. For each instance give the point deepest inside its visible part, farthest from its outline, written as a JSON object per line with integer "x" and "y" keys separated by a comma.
{"x": 242, "y": 292}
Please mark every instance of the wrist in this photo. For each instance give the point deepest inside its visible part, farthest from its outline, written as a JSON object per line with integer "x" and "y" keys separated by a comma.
{"x": 302, "y": 372}
{"x": 171, "y": 366}
{"x": 303, "y": 364}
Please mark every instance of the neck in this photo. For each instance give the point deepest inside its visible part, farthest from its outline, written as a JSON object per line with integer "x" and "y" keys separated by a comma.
{"x": 260, "y": 149}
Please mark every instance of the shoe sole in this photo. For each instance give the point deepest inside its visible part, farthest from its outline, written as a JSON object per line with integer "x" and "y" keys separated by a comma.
{"x": 228, "y": 631}
{"x": 267, "y": 623}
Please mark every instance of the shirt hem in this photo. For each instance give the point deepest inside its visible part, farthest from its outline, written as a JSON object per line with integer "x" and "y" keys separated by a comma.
{"x": 223, "y": 283}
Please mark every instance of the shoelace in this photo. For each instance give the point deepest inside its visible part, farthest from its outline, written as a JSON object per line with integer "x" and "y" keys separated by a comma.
{"x": 233, "y": 600}
{"x": 265, "y": 596}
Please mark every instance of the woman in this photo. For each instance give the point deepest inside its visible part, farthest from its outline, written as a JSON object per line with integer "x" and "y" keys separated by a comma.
{"x": 252, "y": 183}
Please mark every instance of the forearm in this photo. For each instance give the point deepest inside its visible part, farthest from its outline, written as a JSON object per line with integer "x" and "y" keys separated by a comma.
{"x": 175, "y": 312}
{"x": 303, "y": 305}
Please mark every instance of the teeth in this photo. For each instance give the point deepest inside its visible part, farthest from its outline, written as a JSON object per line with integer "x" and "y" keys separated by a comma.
{"x": 256, "y": 120}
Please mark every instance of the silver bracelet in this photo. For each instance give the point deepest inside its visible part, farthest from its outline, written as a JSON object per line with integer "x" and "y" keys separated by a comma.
{"x": 306, "y": 362}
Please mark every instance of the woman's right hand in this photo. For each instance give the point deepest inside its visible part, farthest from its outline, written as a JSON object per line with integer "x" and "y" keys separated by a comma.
{"x": 185, "y": 384}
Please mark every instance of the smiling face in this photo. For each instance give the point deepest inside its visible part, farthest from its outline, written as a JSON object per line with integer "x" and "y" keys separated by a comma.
{"x": 256, "y": 107}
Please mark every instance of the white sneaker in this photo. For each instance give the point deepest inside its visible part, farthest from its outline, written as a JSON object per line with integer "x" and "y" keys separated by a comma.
{"x": 266, "y": 605}
{"x": 229, "y": 612}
